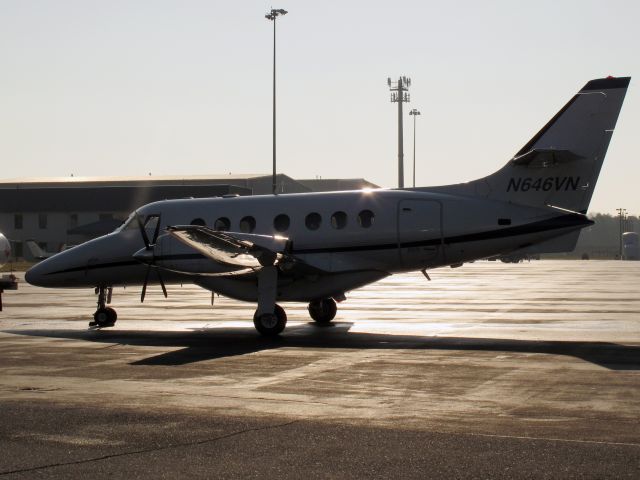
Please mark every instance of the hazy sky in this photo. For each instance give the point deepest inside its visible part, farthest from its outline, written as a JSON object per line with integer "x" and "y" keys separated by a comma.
{"x": 184, "y": 87}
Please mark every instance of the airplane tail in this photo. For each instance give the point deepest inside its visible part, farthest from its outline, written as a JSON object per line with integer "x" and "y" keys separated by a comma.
{"x": 560, "y": 165}
{"x": 33, "y": 252}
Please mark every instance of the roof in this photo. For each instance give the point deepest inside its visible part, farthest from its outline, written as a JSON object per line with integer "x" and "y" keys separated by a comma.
{"x": 85, "y": 198}
{"x": 124, "y": 194}
{"x": 70, "y": 182}
{"x": 336, "y": 184}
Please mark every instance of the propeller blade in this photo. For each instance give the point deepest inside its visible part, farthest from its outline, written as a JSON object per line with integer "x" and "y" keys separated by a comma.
{"x": 144, "y": 285}
{"x": 164, "y": 289}
{"x": 143, "y": 232}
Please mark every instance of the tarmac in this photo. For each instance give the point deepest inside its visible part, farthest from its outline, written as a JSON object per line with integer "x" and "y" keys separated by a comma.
{"x": 491, "y": 370}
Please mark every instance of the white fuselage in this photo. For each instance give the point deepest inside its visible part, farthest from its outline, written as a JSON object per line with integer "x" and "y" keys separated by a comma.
{"x": 353, "y": 238}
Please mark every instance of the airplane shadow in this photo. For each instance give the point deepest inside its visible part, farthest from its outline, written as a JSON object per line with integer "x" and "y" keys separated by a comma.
{"x": 214, "y": 343}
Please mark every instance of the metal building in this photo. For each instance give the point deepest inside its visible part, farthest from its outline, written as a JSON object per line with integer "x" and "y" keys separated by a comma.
{"x": 67, "y": 211}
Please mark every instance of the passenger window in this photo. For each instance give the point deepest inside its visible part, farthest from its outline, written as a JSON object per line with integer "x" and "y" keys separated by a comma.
{"x": 365, "y": 218}
{"x": 339, "y": 220}
{"x": 199, "y": 221}
{"x": 313, "y": 221}
{"x": 281, "y": 222}
{"x": 222, "y": 224}
{"x": 247, "y": 224}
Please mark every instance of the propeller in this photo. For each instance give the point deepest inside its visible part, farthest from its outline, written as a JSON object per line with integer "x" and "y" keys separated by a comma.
{"x": 146, "y": 255}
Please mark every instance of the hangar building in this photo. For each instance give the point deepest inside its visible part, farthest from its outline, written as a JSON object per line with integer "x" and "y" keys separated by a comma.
{"x": 56, "y": 212}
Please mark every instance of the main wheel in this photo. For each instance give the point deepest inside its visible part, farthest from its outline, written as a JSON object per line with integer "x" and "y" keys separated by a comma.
{"x": 271, "y": 324}
{"x": 323, "y": 311}
{"x": 104, "y": 317}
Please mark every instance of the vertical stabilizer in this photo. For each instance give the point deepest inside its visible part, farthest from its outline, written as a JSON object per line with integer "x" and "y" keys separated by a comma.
{"x": 560, "y": 165}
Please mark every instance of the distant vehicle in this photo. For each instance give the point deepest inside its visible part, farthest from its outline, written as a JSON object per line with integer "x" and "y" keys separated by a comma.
{"x": 315, "y": 247}
{"x": 630, "y": 246}
{"x": 517, "y": 258}
{"x": 7, "y": 282}
{"x": 5, "y": 250}
{"x": 34, "y": 253}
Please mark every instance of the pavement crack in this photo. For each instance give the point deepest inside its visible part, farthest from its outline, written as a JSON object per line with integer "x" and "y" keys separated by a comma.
{"x": 149, "y": 450}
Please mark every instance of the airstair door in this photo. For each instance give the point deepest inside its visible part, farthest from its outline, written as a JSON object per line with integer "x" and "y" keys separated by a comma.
{"x": 419, "y": 232}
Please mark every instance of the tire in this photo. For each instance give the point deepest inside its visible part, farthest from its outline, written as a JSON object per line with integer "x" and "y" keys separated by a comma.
{"x": 105, "y": 317}
{"x": 323, "y": 311}
{"x": 271, "y": 324}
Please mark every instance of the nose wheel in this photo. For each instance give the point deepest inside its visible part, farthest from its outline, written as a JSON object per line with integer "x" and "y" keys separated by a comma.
{"x": 104, "y": 316}
{"x": 323, "y": 310}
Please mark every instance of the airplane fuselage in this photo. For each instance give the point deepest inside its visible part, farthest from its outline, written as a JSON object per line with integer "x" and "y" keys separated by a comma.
{"x": 354, "y": 237}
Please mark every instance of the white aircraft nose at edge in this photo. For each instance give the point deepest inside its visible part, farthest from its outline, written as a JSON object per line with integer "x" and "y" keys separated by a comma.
{"x": 315, "y": 247}
{"x": 5, "y": 250}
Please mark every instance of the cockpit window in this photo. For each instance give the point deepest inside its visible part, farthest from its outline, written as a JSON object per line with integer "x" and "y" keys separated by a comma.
{"x": 148, "y": 221}
{"x": 129, "y": 224}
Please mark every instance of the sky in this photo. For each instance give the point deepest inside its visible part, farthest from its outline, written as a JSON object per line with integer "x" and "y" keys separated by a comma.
{"x": 96, "y": 88}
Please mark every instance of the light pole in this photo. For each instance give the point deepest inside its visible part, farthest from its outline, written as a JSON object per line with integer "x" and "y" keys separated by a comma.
{"x": 621, "y": 214}
{"x": 400, "y": 95}
{"x": 415, "y": 113}
{"x": 272, "y": 15}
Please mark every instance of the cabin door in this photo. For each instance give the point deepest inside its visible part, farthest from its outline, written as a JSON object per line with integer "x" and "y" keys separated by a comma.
{"x": 419, "y": 232}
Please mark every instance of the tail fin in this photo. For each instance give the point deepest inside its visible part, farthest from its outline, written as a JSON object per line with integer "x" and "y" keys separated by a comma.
{"x": 33, "y": 252}
{"x": 560, "y": 165}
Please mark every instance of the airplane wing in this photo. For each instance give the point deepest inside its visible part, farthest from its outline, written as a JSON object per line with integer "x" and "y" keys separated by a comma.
{"x": 241, "y": 249}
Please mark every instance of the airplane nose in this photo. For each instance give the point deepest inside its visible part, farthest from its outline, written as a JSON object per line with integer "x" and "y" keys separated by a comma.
{"x": 38, "y": 275}
{"x": 97, "y": 261}
{"x": 64, "y": 269}
{"x": 31, "y": 277}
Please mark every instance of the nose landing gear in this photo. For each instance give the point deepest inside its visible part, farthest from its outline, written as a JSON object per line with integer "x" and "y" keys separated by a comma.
{"x": 104, "y": 316}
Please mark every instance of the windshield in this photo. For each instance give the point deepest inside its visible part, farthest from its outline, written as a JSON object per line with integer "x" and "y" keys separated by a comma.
{"x": 129, "y": 223}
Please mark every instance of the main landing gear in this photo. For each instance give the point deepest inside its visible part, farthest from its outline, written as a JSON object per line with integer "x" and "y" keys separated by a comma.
{"x": 323, "y": 310}
{"x": 270, "y": 324}
{"x": 270, "y": 318}
{"x": 104, "y": 316}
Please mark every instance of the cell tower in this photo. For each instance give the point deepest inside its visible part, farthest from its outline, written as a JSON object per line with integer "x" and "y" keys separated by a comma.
{"x": 400, "y": 95}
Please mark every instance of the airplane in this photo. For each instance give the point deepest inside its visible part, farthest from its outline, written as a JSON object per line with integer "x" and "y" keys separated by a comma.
{"x": 34, "y": 253}
{"x": 316, "y": 247}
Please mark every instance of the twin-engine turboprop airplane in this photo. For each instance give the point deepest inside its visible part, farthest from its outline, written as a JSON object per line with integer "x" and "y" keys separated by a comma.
{"x": 315, "y": 247}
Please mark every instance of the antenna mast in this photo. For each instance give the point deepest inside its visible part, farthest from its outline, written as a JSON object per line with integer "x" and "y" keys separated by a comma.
{"x": 400, "y": 95}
